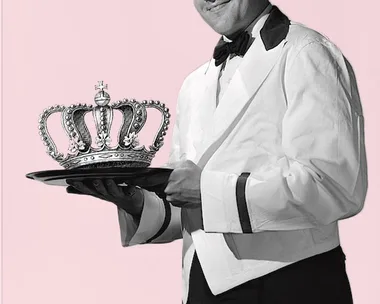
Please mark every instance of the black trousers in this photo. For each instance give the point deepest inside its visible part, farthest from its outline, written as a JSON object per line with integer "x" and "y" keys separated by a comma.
{"x": 321, "y": 279}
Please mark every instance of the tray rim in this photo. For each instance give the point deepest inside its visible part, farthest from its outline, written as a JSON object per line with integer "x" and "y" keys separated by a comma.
{"x": 60, "y": 174}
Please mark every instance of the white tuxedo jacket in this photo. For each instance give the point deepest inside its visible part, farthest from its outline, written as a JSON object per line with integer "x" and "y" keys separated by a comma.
{"x": 292, "y": 119}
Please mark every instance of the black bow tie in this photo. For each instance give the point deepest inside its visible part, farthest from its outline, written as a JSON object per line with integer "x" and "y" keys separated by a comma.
{"x": 275, "y": 30}
{"x": 238, "y": 46}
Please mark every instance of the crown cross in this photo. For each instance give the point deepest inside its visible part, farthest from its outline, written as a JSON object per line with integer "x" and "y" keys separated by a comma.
{"x": 100, "y": 86}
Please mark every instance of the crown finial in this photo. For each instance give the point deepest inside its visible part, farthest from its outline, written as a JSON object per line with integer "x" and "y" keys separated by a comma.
{"x": 102, "y": 98}
{"x": 101, "y": 86}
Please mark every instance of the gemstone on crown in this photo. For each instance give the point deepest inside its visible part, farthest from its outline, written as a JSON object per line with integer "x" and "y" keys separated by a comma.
{"x": 87, "y": 152}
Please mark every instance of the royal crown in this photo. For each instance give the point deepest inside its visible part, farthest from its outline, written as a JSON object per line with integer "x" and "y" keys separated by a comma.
{"x": 126, "y": 153}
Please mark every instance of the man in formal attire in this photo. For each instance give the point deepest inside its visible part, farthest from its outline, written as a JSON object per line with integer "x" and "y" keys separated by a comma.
{"x": 268, "y": 154}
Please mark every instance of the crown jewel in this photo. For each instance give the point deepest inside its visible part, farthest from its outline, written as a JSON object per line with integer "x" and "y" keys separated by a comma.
{"x": 85, "y": 151}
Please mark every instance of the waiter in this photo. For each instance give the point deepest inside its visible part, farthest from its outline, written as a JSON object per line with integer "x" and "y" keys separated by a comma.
{"x": 268, "y": 154}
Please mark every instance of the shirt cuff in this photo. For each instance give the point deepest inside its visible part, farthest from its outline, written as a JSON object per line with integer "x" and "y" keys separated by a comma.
{"x": 219, "y": 205}
{"x": 152, "y": 219}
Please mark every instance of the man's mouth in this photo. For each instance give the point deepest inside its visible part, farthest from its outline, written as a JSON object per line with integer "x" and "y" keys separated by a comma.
{"x": 217, "y": 6}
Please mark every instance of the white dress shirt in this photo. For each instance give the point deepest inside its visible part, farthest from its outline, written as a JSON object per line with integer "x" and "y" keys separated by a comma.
{"x": 232, "y": 63}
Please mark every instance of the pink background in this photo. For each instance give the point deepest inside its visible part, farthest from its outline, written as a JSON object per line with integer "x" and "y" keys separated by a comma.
{"x": 66, "y": 249}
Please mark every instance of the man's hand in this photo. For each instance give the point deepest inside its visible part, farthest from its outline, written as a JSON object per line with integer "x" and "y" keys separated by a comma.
{"x": 183, "y": 189}
{"x": 129, "y": 198}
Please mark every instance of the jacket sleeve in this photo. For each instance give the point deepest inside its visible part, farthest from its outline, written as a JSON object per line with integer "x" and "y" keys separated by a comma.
{"x": 160, "y": 222}
{"x": 321, "y": 176}
{"x": 149, "y": 228}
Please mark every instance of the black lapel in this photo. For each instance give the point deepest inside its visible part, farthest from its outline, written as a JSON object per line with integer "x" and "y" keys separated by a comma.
{"x": 275, "y": 28}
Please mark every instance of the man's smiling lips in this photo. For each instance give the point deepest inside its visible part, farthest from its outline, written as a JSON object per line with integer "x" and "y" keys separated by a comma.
{"x": 217, "y": 6}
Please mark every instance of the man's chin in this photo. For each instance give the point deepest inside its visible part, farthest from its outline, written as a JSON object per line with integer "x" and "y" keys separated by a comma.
{"x": 222, "y": 29}
{"x": 223, "y": 32}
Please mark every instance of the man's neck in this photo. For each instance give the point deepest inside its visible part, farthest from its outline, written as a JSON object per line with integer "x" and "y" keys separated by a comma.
{"x": 251, "y": 25}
